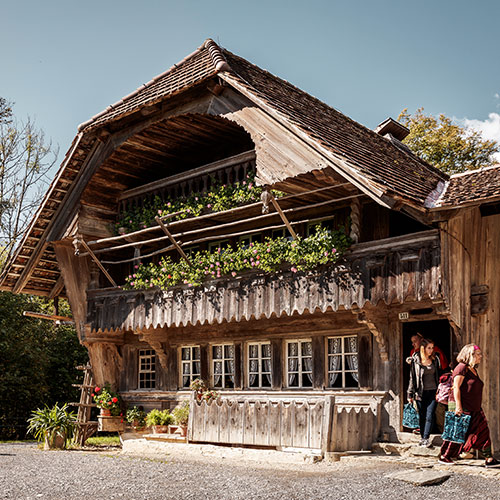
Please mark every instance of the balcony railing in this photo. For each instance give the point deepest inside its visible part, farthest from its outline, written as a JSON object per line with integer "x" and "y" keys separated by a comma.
{"x": 393, "y": 270}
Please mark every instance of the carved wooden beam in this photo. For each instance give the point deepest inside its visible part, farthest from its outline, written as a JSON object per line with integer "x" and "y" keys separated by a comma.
{"x": 355, "y": 220}
{"x": 157, "y": 346}
{"x": 364, "y": 319}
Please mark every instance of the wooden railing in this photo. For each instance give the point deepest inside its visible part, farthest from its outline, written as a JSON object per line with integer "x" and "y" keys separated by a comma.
{"x": 327, "y": 423}
{"x": 227, "y": 171}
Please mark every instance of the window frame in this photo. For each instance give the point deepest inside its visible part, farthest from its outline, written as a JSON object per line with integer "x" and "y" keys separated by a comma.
{"x": 152, "y": 369}
{"x": 191, "y": 360}
{"x": 319, "y": 221}
{"x": 250, "y": 237}
{"x": 343, "y": 355}
{"x": 260, "y": 374}
{"x": 222, "y": 360}
{"x": 299, "y": 356}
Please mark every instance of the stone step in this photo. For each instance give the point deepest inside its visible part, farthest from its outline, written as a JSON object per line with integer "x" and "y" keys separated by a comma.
{"x": 410, "y": 438}
{"x": 405, "y": 449}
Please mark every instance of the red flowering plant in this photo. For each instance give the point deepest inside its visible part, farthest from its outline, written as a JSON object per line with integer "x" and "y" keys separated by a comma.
{"x": 106, "y": 399}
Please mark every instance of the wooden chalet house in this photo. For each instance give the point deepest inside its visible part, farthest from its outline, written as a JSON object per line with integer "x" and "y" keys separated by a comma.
{"x": 313, "y": 358}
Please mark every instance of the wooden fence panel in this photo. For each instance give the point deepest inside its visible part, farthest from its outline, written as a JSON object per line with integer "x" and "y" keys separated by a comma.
{"x": 262, "y": 430}
{"x": 316, "y": 424}
{"x": 249, "y": 423}
{"x": 300, "y": 432}
{"x": 275, "y": 426}
{"x": 236, "y": 423}
{"x": 287, "y": 416}
{"x": 224, "y": 421}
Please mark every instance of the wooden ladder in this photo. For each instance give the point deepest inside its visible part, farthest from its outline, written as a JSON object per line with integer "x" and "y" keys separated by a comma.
{"x": 84, "y": 426}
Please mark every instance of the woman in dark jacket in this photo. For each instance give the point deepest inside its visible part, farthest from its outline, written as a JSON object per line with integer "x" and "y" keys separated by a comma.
{"x": 424, "y": 379}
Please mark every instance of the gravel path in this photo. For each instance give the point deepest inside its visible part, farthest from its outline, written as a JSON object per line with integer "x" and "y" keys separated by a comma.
{"x": 29, "y": 473}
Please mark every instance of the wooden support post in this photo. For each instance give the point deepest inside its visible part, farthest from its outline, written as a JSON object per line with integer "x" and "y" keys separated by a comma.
{"x": 96, "y": 260}
{"x": 268, "y": 196}
{"x": 172, "y": 239}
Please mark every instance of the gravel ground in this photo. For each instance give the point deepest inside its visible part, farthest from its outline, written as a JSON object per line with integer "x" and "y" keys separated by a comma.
{"x": 29, "y": 473}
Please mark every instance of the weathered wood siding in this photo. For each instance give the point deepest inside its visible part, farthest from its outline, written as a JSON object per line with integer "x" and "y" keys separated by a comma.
{"x": 471, "y": 258}
{"x": 328, "y": 423}
{"x": 394, "y": 270}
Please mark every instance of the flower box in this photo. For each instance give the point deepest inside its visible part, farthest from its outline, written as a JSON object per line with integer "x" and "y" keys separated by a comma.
{"x": 110, "y": 424}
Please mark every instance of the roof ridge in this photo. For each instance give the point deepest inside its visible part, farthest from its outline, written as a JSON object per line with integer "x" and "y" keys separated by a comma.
{"x": 475, "y": 171}
{"x": 214, "y": 53}
{"x": 217, "y": 55}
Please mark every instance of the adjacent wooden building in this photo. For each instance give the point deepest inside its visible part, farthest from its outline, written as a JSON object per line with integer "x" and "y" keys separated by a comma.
{"x": 312, "y": 359}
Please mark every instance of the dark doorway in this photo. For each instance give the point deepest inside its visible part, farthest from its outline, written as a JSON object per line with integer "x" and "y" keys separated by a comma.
{"x": 438, "y": 330}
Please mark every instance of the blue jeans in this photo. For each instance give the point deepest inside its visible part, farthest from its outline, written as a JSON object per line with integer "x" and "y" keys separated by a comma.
{"x": 426, "y": 409}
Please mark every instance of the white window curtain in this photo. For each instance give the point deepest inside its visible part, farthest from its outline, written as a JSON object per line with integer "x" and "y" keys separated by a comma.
{"x": 352, "y": 359}
{"x": 334, "y": 347}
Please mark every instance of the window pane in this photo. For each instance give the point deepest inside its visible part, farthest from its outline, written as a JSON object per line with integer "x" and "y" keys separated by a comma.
{"x": 254, "y": 366}
{"x": 306, "y": 348}
{"x": 334, "y": 345}
{"x": 293, "y": 349}
{"x": 306, "y": 380}
{"x": 350, "y": 381}
{"x": 186, "y": 368}
{"x": 217, "y": 352}
{"x": 196, "y": 353}
{"x": 186, "y": 353}
{"x": 185, "y": 382}
{"x": 350, "y": 344}
{"x": 253, "y": 351}
{"x": 218, "y": 367}
{"x": 266, "y": 350}
{"x": 196, "y": 369}
{"x": 229, "y": 351}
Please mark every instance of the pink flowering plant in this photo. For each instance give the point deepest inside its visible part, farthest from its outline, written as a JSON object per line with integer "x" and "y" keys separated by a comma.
{"x": 106, "y": 399}
{"x": 323, "y": 247}
{"x": 220, "y": 197}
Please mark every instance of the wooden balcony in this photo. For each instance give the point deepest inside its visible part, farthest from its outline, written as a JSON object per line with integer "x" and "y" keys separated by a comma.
{"x": 393, "y": 270}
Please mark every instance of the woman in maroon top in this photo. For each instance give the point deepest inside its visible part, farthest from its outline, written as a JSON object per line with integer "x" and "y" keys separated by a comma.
{"x": 466, "y": 397}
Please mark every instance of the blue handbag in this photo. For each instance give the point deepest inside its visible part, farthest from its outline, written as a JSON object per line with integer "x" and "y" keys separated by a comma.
{"x": 410, "y": 416}
{"x": 455, "y": 427}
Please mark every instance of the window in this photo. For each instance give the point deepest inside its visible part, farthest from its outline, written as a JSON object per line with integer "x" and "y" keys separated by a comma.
{"x": 223, "y": 366}
{"x": 147, "y": 369}
{"x": 191, "y": 251}
{"x": 215, "y": 245}
{"x": 299, "y": 363}
{"x": 259, "y": 365}
{"x": 314, "y": 225}
{"x": 251, "y": 238}
{"x": 281, "y": 233}
{"x": 343, "y": 362}
{"x": 190, "y": 364}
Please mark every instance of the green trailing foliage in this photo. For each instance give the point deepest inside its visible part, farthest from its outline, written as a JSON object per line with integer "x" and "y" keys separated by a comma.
{"x": 323, "y": 247}
{"x": 48, "y": 424}
{"x": 181, "y": 413}
{"x": 220, "y": 197}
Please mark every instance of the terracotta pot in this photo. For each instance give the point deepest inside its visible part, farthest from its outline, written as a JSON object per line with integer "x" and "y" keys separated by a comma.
{"x": 182, "y": 430}
{"x": 160, "y": 429}
{"x": 105, "y": 413}
{"x": 57, "y": 442}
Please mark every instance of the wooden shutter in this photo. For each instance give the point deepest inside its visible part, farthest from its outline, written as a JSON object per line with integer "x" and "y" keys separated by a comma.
{"x": 365, "y": 361}
{"x": 277, "y": 364}
{"x": 318, "y": 362}
{"x": 128, "y": 376}
{"x": 238, "y": 371}
{"x": 204, "y": 364}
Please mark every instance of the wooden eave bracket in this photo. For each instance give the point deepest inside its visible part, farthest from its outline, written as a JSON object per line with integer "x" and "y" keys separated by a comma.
{"x": 157, "y": 346}
{"x": 364, "y": 319}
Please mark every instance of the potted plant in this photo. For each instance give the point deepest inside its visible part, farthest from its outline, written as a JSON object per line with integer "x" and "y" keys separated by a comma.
{"x": 111, "y": 416}
{"x": 54, "y": 426}
{"x": 201, "y": 391}
{"x": 159, "y": 420}
{"x": 136, "y": 417}
{"x": 107, "y": 400}
{"x": 181, "y": 417}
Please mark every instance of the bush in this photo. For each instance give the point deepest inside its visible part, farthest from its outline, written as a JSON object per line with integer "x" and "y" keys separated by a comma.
{"x": 159, "y": 417}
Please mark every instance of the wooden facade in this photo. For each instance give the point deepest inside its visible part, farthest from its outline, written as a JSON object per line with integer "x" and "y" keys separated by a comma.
{"x": 310, "y": 359}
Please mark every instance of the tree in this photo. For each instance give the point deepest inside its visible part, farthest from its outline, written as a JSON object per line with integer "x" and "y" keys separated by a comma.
{"x": 445, "y": 145}
{"x": 37, "y": 361}
{"x": 25, "y": 158}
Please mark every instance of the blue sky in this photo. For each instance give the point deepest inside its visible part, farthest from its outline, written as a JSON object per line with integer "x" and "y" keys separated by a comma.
{"x": 64, "y": 60}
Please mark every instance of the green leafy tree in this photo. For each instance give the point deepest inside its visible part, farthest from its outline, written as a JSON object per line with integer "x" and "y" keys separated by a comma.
{"x": 37, "y": 362}
{"x": 446, "y": 145}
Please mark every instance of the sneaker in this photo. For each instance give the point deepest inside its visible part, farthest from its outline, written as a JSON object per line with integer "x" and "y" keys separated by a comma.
{"x": 492, "y": 463}
{"x": 445, "y": 461}
{"x": 416, "y": 431}
{"x": 425, "y": 442}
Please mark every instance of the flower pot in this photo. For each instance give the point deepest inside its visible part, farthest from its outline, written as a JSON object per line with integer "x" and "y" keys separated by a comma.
{"x": 110, "y": 424}
{"x": 160, "y": 429}
{"x": 182, "y": 430}
{"x": 54, "y": 442}
{"x": 105, "y": 412}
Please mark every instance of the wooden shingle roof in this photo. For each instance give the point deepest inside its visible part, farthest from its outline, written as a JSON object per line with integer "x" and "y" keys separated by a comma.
{"x": 476, "y": 186}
